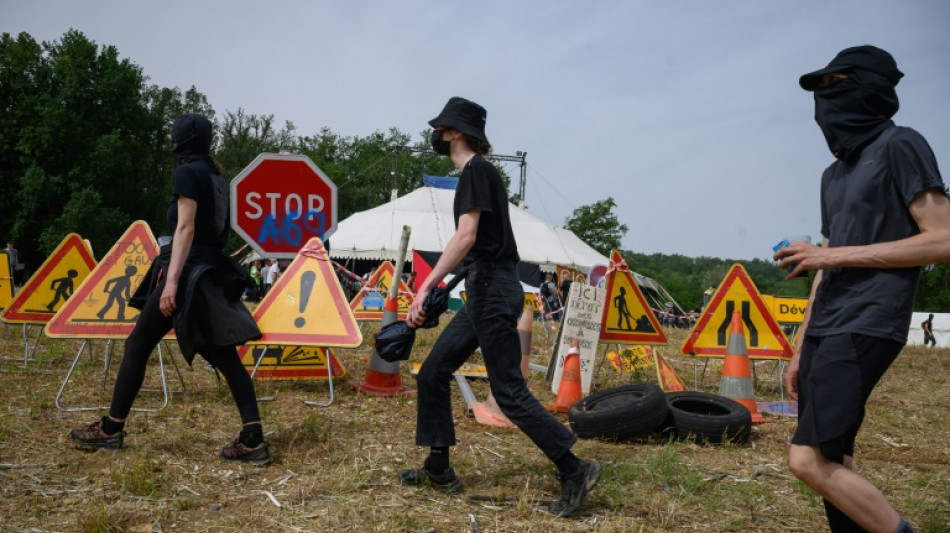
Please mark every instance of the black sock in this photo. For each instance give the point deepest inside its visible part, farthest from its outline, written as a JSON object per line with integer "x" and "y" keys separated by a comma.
{"x": 111, "y": 427}
{"x": 568, "y": 463}
{"x": 252, "y": 436}
{"x": 438, "y": 461}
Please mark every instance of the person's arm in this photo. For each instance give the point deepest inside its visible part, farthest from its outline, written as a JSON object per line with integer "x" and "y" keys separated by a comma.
{"x": 455, "y": 251}
{"x": 930, "y": 210}
{"x": 184, "y": 234}
{"x": 791, "y": 372}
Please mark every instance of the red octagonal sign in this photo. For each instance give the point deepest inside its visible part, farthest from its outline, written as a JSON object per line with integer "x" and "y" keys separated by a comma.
{"x": 279, "y": 202}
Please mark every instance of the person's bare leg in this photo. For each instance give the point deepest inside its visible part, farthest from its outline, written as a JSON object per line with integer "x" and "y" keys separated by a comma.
{"x": 489, "y": 407}
{"x": 852, "y": 494}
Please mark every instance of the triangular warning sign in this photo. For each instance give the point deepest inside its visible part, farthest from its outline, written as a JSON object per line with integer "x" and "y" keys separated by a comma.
{"x": 290, "y": 362}
{"x": 666, "y": 376}
{"x": 6, "y": 279}
{"x": 306, "y": 307}
{"x": 764, "y": 337}
{"x": 51, "y": 286}
{"x": 368, "y": 304}
{"x": 628, "y": 318}
{"x": 99, "y": 306}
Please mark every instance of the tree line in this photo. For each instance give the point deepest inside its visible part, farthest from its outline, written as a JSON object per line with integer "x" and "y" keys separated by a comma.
{"x": 84, "y": 148}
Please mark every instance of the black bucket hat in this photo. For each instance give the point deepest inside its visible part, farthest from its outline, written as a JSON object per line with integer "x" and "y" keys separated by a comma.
{"x": 463, "y": 115}
{"x": 866, "y": 57}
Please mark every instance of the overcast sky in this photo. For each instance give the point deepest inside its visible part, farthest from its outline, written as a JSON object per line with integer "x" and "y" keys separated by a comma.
{"x": 687, "y": 113}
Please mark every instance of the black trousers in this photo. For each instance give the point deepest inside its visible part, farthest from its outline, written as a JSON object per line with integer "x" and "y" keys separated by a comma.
{"x": 489, "y": 320}
{"x": 151, "y": 326}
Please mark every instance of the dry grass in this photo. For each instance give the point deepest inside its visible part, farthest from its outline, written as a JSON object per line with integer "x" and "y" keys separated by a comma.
{"x": 335, "y": 468}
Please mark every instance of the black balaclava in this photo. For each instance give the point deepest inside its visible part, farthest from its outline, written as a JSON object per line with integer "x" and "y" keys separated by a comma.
{"x": 191, "y": 137}
{"x": 853, "y": 112}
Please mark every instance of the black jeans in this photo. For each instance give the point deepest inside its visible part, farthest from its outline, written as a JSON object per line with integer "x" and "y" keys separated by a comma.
{"x": 149, "y": 329}
{"x": 488, "y": 319}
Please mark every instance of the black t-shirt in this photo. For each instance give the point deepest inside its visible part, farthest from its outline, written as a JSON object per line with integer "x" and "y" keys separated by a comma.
{"x": 866, "y": 203}
{"x": 480, "y": 187}
{"x": 199, "y": 181}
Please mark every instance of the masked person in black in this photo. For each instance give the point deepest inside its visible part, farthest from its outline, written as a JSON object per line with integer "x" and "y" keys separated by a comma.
{"x": 485, "y": 241}
{"x": 884, "y": 213}
{"x": 195, "y": 287}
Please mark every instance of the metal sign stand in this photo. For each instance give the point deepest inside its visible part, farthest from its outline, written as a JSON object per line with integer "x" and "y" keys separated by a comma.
{"x": 257, "y": 364}
{"x": 107, "y": 359}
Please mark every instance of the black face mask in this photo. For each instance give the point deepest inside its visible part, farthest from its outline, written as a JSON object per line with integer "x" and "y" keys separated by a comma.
{"x": 853, "y": 112}
{"x": 440, "y": 146}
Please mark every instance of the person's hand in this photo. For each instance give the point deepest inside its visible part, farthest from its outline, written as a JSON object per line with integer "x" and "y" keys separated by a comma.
{"x": 416, "y": 315}
{"x": 803, "y": 256}
{"x": 791, "y": 377}
{"x": 166, "y": 304}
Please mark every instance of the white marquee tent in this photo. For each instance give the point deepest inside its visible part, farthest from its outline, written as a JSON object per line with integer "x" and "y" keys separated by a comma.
{"x": 375, "y": 233}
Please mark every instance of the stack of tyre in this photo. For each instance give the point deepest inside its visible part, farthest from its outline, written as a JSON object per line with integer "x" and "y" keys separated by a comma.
{"x": 642, "y": 409}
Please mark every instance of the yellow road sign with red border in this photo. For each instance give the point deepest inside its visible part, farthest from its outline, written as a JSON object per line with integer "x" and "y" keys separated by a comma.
{"x": 281, "y": 362}
{"x": 98, "y": 308}
{"x": 306, "y": 307}
{"x": 669, "y": 380}
{"x": 764, "y": 337}
{"x": 51, "y": 286}
{"x": 370, "y": 302}
{"x": 6, "y": 280}
{"x": 628, "y": 318}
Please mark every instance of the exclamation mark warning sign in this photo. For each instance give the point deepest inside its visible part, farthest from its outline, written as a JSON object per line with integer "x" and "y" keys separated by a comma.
{"x": 306, "y": 287}
{"x": 306, "y": 307}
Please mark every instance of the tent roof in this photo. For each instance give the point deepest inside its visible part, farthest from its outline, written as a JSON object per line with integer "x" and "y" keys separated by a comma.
{"x": 375, "y": 233}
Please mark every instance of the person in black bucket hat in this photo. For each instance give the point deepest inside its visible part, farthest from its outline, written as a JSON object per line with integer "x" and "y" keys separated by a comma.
{"x": 884, "y": 213}
{"x": 485, "y": 241}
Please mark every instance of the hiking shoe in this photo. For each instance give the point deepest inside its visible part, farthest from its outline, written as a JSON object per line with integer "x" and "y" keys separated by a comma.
{"x": 446, "y": 482}
{"x": 93, "y": 437}
{"x": 239, "y": 452}
{"x": 574, "y": 488}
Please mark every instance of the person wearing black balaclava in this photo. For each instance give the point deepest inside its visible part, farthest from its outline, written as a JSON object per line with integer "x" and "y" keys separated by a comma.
{"x": 484, "y": 240}
{"x": 195, "y": 287}
{"x": 884, "y": 213}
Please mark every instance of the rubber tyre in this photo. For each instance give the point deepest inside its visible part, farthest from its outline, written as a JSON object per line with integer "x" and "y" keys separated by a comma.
{"x": 708, "y": 418}
{"x": 619, "y": 413}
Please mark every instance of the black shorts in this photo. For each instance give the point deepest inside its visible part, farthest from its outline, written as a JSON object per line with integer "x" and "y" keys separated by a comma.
{"x": 836, "y": 375}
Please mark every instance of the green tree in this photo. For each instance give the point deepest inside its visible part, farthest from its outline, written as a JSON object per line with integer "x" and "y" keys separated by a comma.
{"x": 597, "y": 225}
{"x": 84, "y": 142}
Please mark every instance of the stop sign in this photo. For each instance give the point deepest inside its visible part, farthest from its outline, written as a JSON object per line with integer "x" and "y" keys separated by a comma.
{"x": 280, "y": 201}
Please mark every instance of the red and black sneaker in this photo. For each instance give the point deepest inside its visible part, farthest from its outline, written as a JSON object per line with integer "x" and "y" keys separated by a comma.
{"x": 94, "y": 438}
{"x": 239, "y": 452}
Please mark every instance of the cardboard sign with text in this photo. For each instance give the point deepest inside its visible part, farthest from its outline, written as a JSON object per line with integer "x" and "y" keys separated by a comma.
{"x": 581, "y": 321}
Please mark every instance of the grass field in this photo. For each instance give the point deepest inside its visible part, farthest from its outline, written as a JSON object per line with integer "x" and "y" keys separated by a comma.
{"x": 336, "y": 466}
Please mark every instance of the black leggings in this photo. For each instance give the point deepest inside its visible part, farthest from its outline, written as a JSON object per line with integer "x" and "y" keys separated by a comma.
{"x": 151, "y": 326}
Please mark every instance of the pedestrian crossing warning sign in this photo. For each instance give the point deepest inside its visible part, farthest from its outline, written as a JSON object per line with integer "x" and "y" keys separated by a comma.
{"x": 368, "y": 304}
{"x": 6, "y": 280}
{"x": 97, "y": 309}
{"x": 628, "y": 318}
{"x": 52, "y": 285}
{"x": 290, "y": 362}
{"x": 306, "y": 306}
{"x": 764, "y": 337}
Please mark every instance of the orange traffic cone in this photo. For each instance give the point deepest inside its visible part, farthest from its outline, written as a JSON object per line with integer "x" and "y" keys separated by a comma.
{"x": 736, "y": 382}
{"x": 382, "y": 377}
{"x": 569, "y": 391}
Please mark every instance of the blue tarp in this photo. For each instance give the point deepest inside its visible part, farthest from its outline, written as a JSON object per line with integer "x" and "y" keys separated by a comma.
{"x": 440, "y": 182}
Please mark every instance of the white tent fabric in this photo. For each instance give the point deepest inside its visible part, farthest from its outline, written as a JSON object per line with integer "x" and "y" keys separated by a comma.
{"x": 941, "y": 329}
{"x": 375, "y": 233}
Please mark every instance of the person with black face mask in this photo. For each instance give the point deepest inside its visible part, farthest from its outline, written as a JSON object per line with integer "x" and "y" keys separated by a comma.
{"x": 485, "y": 242}
{"x": 884, "y": 213}
{"x": 195, "y": 287}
